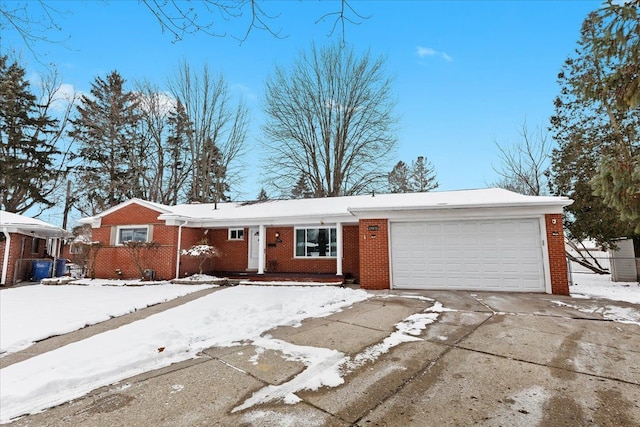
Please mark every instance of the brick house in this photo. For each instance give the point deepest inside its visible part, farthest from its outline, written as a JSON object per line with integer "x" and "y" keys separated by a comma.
{"x": 23, "y": 241}
{"x": 488, "y": 239}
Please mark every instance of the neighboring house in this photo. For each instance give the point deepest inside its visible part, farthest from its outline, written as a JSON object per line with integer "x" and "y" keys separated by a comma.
{"x": 489, "y": 239}
{"x": 28, "y": 246}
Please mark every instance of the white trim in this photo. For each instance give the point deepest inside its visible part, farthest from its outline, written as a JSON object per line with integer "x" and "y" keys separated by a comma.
{"x": 459, "y": 213}
{"x": 263, "y": 248}
{"x": 236, "y": 229}
{"x": 546, "y": 266}
{"x": 5, "y": 261}
{"x": 339, "y": 249}
{"x": 96, "y": 220}
{"x": 317, "y": 226}
{"x": 147, "y": 227}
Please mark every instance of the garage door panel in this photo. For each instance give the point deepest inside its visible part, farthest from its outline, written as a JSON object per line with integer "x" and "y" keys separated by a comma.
{"x": 475, "y": 255}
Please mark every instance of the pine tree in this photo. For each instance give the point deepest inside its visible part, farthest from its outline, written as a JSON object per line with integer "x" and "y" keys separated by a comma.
{"x": 597, "y": 162}
{"x": 423, "y": 175}
{"x": 262, "y": 196}
{"x": 399, "y": 178}
{"x": 27, "y": 172}
{"x": 111, "y": 150}
{"x": 301, "y": 189}
{"x": 177, "y": 150}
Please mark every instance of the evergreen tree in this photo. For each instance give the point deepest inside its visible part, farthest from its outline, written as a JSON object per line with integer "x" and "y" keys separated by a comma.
{"x": 593, "y": 134}
{"x": 301, "y": 189}
{"x": 28, "y": 175}
{"x": 399, "y": 178}
{"x": 111, "y": 150}
{"x": 262, "y": 196}
{"x": 423, "y": 175}
{"x": 177, "y": 150}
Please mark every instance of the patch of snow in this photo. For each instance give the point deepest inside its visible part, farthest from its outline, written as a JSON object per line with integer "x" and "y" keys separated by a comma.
{"x": 279, "y": 419}
{"x": 326, "y": 367}
{"x": 610, "y": 312}
{"x": 526, "y": 409}
{"x": 587, "y": 285}
{"x": 225, "y": 318}
{"x": 33, "y": 313}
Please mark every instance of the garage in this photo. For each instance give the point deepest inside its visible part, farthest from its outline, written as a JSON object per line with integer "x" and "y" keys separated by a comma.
{"x": 485, "y": 255}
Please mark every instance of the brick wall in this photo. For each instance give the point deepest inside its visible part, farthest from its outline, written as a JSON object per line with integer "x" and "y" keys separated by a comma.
{"x": 16, "y": 253}
{"x": 374, "y": 254}
{"x": 110, "y": 257}
{"x": 557, "y": 257}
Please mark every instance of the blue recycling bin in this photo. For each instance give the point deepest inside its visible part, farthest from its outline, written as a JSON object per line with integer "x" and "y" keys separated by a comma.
{"x": 61, "y": 267}
{"x": 41, "y": 269}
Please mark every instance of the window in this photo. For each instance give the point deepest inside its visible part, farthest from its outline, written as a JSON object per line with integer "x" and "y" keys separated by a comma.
{"x": 136, "y": 234}
{"x": 236, "y": 234}
{"x": 316, "y": 242}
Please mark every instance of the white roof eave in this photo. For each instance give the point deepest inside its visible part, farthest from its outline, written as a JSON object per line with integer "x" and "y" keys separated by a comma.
{"x": 443, "y": 206}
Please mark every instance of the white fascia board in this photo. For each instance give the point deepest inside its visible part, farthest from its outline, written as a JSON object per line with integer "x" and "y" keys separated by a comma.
{"x": 267, "y": 222}
{"x": 38, "y": 231}
{"x": 459, "y": 213}
{"x": 96, "y": 220}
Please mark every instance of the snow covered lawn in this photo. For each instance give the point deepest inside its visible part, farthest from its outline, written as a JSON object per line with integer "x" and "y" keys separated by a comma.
{"x": 238, "y": 315}
{"x": 32, "y": 313}
{"x": 231, "y": 316}
{"x": 589, "y": 285}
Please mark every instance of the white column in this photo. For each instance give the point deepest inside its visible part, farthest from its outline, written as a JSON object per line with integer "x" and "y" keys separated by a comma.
{"x": 5, "y": 261}
{"x": 262, "y": 244}
{"x": 339, "y": 249}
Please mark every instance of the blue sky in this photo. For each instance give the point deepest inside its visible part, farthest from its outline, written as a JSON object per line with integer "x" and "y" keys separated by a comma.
{"x": 467, "y": 73}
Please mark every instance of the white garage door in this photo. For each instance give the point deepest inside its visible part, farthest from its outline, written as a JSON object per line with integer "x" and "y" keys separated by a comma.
{"x": 491, "y": 255}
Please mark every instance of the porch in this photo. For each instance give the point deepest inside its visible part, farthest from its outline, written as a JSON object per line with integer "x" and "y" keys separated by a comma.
{"x": 253, "y": 276}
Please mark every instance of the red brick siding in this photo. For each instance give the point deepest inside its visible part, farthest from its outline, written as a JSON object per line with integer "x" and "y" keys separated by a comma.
{"x": 15, "y": 255}
{"x": 557, "y": 257}
{"x": 351, "y": 252}
{"x": 110, "y": 257}
{"x": 233, "y": 253}
{"x": 374, "y": 254}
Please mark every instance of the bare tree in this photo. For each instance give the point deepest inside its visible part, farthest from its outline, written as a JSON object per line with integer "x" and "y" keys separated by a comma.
{"x": 206, "y": 16}
{"x": 219, "y": 131}
{"x": 330, "y": 120}
{"x": 166, "y": 130}
{"x": 32, "y": 20}
{"x": 525, "y": 165}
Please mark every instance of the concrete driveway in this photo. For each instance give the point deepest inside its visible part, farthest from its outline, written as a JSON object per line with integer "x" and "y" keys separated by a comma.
{"x": 497, "y": 360}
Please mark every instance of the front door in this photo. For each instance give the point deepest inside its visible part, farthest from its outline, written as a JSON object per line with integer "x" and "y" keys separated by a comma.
{"x": 254, "y": 248}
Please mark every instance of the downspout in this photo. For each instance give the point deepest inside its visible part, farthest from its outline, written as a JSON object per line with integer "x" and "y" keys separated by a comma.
{"x": 5, "y": 261}
{"x": 179, "y": 249}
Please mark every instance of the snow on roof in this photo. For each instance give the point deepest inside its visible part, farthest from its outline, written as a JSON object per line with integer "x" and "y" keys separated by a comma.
{"x": 16, "y": 223}
{"x": 345, "y": 208}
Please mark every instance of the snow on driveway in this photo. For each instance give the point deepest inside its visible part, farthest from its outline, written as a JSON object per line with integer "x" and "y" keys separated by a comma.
{"x": 32, "y": 313}
{"x": 234, "y": 315}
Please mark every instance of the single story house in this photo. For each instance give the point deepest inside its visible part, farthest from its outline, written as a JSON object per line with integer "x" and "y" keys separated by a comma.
{"x": 487, "y": 239}
{"x": 24, "y": 243}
